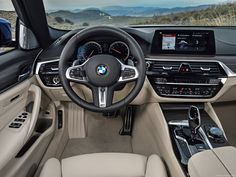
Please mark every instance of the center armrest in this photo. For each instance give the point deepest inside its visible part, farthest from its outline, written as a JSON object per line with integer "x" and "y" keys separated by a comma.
{"x": 216, "y": 162}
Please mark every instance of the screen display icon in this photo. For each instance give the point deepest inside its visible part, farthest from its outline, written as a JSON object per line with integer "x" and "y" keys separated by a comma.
{"x": 168, "y": 41}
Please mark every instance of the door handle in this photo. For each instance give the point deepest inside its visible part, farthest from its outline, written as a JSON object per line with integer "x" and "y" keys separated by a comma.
{"x": 25, "y": 72}
{"x": 24, "y": 75}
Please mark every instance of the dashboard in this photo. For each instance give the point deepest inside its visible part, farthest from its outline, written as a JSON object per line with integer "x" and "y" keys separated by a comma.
{"x": 181, "y": 63}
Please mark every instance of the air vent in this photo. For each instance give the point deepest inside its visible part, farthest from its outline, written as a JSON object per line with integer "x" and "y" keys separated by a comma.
{"x": 172, "y": 67}
{"x": 49, "y": 68}
{"x": 165, "y": 66}
{"x": 206, "y": 68}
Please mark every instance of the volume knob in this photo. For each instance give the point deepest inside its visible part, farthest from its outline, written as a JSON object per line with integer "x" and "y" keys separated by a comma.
{"x": 215, "y": 132}
{"x": 56, "y": 80}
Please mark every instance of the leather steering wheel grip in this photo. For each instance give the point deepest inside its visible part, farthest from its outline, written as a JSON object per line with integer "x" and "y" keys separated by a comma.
{"x": 68, "y": 53}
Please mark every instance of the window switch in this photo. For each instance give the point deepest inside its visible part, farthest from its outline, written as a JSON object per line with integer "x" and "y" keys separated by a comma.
{"x": 19, "y": 120}
{"x": 15, "y": 125}
{"x": 24, "y": 113}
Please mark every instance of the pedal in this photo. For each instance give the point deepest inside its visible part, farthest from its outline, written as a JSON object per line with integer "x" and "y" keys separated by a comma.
{"x": 128, "y": 121}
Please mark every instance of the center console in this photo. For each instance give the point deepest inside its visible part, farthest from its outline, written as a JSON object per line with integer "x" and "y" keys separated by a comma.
{"x": 192, "y": 131}
{"x": 185, "y": 79}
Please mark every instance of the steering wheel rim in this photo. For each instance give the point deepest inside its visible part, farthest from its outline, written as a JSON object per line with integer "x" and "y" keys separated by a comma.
{"x": 68, "y": 52}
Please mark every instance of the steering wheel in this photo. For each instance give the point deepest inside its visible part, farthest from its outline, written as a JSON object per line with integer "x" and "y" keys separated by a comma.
{"x": 102, "y": 73}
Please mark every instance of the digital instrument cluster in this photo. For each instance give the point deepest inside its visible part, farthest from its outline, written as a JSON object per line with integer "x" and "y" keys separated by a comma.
{"x": 118, "y": 49}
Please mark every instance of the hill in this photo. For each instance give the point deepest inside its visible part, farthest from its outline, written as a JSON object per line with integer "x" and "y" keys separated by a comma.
{"x": 140, "y": 11}
{"x": 211, "y": 15}
{"x": 89, "y": 17}
{"x": 86, "y": 15}
{"x": 215, "y": 15}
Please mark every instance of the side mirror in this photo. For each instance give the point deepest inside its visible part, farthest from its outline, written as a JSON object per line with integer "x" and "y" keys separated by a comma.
{"x": 5, "y": 32}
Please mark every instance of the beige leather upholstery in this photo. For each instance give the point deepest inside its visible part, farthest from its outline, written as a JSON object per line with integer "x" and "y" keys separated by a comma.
{"x": 206, "y": 164}
{"x": 217, "y": 162}
{"x": 227, "y": 156}
{"x": 105, "y": 165}
{"x": 52, "y": 168}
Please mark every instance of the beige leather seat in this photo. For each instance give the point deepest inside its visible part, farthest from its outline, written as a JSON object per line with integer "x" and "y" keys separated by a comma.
{"x": 105, "y": 165}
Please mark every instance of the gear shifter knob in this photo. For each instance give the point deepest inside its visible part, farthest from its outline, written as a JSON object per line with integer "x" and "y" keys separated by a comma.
{"x": 194, "y": 119}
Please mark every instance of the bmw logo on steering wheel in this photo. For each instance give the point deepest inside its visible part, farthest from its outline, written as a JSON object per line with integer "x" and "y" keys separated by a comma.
{"x": 102, "y": 70}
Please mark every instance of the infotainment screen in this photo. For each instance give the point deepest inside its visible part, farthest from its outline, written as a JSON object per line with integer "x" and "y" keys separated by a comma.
{"x": 184, "y": 42}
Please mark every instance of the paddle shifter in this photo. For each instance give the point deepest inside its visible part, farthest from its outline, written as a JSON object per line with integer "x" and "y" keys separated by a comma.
{"x": 194, "y": 120}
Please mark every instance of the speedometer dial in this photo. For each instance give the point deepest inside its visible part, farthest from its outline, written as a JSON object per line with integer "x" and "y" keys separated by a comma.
{"x": 120, "y": 50}
{"x": 89, "y": 49}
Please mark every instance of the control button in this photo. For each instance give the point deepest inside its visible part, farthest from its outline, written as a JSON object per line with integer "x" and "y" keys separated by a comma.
{"x": 56, "y": 80}
{"x": 214, "y": 81}
{"x": 77, "y": 73}
{"x": 128, "y": 73}
{"x": 185, "y": 68}
{"x": 24, "y": 113}
{"x": 200, "y": 147}
{"x": 215, "y": 133}
{"x": 15, "y": 125}
{"x": 19, "y": 120}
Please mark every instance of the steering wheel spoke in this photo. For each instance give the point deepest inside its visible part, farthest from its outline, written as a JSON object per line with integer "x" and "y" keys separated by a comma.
{"x": 76, "y": 74}
{"x": 128, "y": 73}
{"x": 103, "y": 96}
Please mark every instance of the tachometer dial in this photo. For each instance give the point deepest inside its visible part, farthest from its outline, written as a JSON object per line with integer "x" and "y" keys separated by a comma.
{"x": 120, "y": 50}
{"x": 89, "y": 49}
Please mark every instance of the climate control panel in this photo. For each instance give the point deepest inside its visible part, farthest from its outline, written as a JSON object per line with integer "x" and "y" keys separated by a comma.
{"x": 186, "y": 79}
{"x": 187, "y": 91}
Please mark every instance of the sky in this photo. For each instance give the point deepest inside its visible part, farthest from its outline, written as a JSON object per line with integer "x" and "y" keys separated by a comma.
{"x": 78, "y": 4}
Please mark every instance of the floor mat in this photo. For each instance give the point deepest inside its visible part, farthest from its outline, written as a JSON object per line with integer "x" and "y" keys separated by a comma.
{"x": 102, "y": 136}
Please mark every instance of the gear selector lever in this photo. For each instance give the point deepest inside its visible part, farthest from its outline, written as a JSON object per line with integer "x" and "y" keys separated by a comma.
{"x": 194, "y": 119}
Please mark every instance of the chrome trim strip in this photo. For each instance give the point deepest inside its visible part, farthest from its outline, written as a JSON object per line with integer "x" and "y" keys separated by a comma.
{"x": 227, "y": 70}
{"x": 40, "y": 63}
{"x": 205, "y": 69}
{"x": 202, "y": 133}
{"x": 191, "y": 84}
{"x": 185, "y": 123}
{"x": 102, "y": 97}
{"x": 167, "y": 68}
{"x": 187, "y": 96}
{"x": 184, "y": 140}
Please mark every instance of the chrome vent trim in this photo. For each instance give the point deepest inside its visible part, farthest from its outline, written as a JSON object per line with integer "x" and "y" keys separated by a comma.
{"x": 39, "y": 64}
{"x": 227, "y": 70}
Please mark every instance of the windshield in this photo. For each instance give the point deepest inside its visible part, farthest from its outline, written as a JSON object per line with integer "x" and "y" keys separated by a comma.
{"x": 72, "y": 14}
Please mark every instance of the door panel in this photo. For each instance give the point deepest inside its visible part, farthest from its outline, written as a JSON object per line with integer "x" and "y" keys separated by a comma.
{"x": 22, "y": 148}
{"x": 12, "y": 64}
{"x": 23, "y": 138}
{"x": 13, "y": 112}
